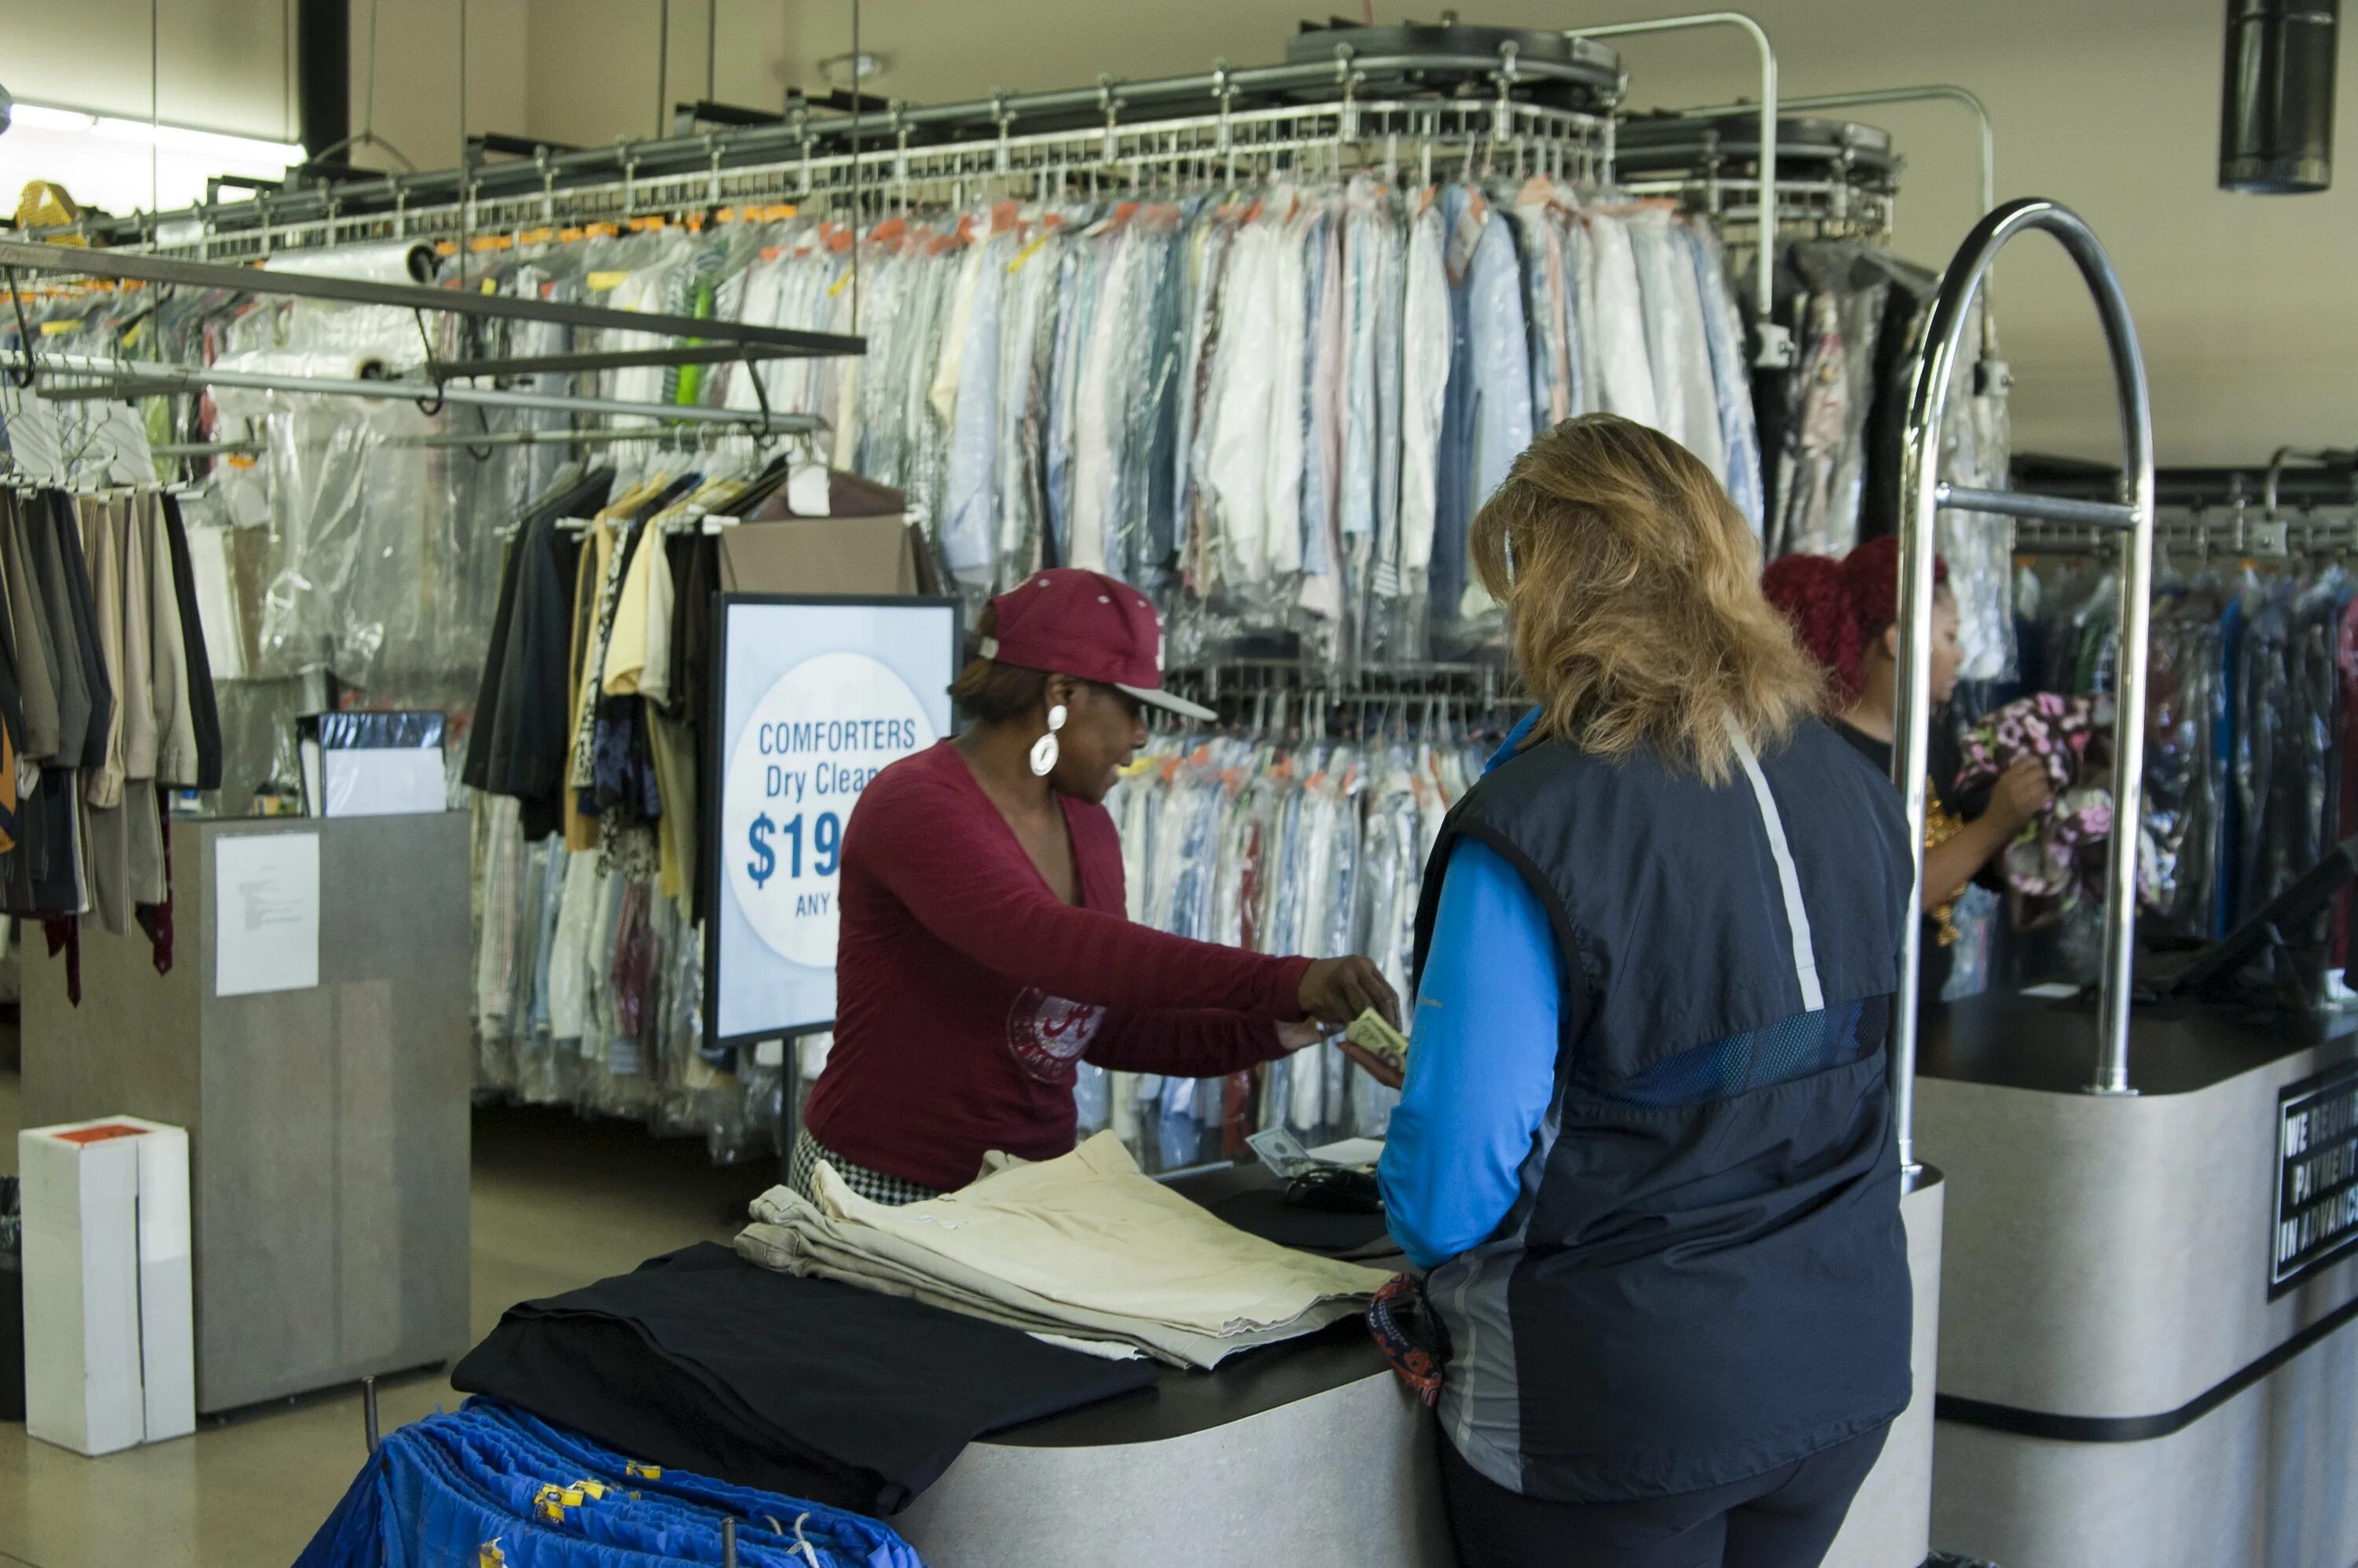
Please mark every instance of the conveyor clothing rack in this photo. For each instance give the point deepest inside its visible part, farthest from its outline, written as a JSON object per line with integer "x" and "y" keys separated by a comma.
{"x": 1413, "y": 139}
{"x": 1127, "y": 123}
{"x": 1252, "y": 689}
{"x": 1835, "y": 178}
{"x": 2242, "y": 532}
{"x": 2271, "y": 510}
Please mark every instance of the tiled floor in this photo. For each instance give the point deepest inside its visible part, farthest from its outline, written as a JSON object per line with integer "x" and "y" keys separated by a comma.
{"x": 557, "y": 1202}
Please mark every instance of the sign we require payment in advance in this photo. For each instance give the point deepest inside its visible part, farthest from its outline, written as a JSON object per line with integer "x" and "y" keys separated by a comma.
{"x": 817, "y": 698}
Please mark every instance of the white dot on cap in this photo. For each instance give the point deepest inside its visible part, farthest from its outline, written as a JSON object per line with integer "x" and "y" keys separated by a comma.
{"x": 1042, "y": 583}
{"x": 1103, "y": 599}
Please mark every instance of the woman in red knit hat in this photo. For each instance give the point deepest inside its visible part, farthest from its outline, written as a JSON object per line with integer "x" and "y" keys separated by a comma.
{"x": 1846, "y": 614}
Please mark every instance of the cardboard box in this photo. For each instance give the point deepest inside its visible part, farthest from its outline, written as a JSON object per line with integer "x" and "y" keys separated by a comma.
{"x": 863, "y": 555}
{"x": 110, "y": 1343}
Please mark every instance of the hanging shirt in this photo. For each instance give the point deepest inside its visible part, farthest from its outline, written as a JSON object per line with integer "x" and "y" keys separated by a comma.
{"x": 967, "y": 991}
{"x": 1424, "y": 385}
{"x": 1624, "y": 377}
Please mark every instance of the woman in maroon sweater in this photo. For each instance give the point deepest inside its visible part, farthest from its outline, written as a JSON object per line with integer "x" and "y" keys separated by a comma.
{"x": 985, "y": 949}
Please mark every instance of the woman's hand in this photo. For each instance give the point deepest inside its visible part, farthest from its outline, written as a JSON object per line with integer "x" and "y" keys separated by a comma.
{"x": 2022, "y": 793}
{"x": 1337, "y": 990}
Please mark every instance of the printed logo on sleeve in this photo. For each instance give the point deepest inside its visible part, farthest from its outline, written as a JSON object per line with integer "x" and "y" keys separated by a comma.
{"x": 1046, "y": 1034}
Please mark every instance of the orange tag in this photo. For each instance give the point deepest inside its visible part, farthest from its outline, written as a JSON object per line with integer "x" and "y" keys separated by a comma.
{"x": 99, "y": 1135}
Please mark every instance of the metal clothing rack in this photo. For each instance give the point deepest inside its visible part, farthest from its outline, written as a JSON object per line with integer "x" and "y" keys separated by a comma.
{"x": 802, "y": 154}
{"x": 2271, "y": 512}
{"x": 1837, "y": 180}
{"x": 2303, "y": 536}
{"x": 1309, "y": 697}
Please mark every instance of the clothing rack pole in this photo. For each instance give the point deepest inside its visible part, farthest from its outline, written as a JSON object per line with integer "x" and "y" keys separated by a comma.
{"x": 1938, "y": 91}
{"x": 132, "y": 268}
{"x": 441, "y": 438}
{"x": 208, "y": 449}
{"x": 2291, "y": 454}
{"x": 1932, "y": 92}
{"x": 1774, "y": 349}
{"x": 192, "y": 377}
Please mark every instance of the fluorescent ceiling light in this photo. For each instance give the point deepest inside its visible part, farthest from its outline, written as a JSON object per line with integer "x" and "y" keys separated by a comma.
{"x": 203, "y": 143}
{"x": 167, "y": 166}
{"x": 40, "y": 116}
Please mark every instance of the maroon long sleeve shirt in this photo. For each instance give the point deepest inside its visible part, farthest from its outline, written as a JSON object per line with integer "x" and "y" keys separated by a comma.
{"x": 967, "y": 991}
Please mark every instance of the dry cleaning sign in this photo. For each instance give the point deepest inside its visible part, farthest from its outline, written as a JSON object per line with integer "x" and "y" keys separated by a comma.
{"x": 816, "y": 698}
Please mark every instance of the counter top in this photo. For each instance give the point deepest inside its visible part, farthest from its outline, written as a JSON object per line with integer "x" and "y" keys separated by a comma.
{"x": 2012, "y": 1040}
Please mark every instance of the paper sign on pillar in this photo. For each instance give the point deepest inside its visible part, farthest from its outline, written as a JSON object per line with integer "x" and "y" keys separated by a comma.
{"x": 110, "y": 1343}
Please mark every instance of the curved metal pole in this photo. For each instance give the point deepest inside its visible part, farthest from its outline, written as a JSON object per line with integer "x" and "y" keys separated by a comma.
{"x": 2276, "y": 466}
{"x": 1775, "y": 346}
{"x": 1928, "y": 92}
{"x": 1920, "y": 476}
{"x": 1935, "y": 92}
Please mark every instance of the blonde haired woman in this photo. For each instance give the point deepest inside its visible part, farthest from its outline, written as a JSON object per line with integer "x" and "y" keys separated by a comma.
{"x": 1645, "y": 1147}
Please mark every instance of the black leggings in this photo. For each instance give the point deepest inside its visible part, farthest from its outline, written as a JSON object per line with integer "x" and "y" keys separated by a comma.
{"x": 1785, "y": 1518}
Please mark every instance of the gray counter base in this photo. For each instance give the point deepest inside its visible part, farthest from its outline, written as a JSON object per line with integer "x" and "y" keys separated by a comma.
{"x": 2107, "y": 1278}
{"x": 1344, "y": 1478}
{"x": 1889, "y": 1519}
{"x": 2269, "y": 1480}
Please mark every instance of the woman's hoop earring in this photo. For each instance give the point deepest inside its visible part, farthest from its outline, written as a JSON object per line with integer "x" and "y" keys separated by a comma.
{"x": 1045, "y": 750}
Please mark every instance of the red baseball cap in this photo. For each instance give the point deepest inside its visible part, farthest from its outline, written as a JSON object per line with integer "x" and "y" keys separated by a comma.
{"x": 1086, "y": 624}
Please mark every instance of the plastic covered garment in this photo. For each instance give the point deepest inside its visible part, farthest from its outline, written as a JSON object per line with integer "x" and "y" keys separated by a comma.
{"x": 969, "y": 524}
{"x": 1486, "y": 412}
{"x": 1620, "y": 370}
{"x": 1731, "y": 373}
{"x": 1403, "y": 562}
{"x": 1976, "y": 453}
{"x": 1685, "y": 407}
{"x": 1279, "y": 845}
{"x": 1243, "y": 413}
{"x": 352, "y": 571}
{"x": 1837, "y": 293}
{"x": 2185, "y": 774}
{"x": 2286, "y": 757}
{"x": 489, "y": 1484}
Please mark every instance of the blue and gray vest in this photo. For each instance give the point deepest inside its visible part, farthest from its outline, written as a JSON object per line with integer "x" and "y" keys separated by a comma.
{"x": 1703, "y": 1275}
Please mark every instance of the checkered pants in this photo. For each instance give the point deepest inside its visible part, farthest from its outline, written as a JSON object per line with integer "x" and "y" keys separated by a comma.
{"x": 875, "y": 1186}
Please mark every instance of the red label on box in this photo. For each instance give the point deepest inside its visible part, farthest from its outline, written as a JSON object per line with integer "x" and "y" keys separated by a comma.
{"x": 100, "y": 1134}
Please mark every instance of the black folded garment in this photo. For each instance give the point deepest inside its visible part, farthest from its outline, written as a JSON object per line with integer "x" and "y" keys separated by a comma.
{"x": 703, "y": 1361}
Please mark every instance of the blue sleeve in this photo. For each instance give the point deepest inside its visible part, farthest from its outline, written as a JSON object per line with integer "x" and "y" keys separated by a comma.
{"x": 1481, "y": 1062}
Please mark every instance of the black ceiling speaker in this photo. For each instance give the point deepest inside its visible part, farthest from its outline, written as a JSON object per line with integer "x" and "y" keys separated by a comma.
{"x": 2275, "y": 113}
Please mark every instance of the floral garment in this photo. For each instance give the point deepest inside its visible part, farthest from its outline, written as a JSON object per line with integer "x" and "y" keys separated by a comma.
{"x": 2060, "y": 856}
